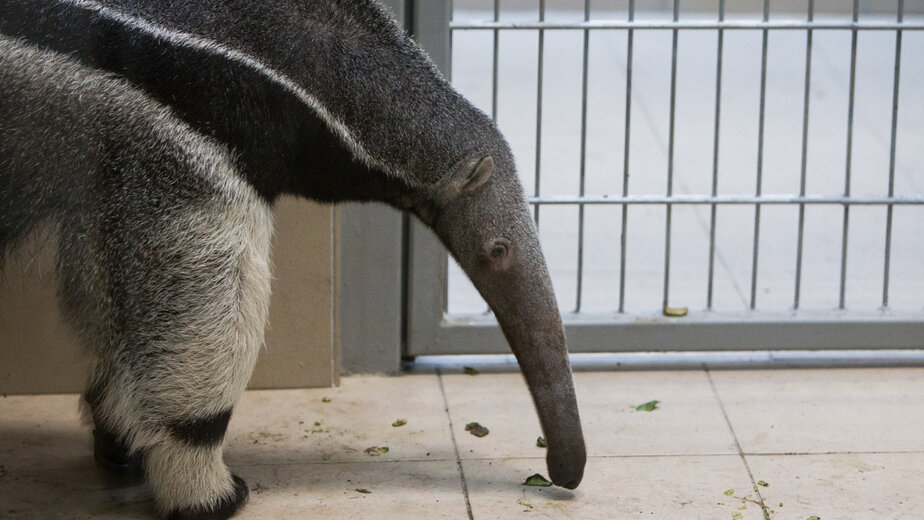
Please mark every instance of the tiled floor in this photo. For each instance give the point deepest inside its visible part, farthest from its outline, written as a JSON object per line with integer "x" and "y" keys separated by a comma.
{"x": 836, "y": 443}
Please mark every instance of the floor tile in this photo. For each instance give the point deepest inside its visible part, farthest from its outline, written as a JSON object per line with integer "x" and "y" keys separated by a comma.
{"x": 820, "y": 411}
{"x": 687, "y": 421}
{"x": 42, "y": 430}
{"x": 47, "y": 469}
{"x": 73, "y": 489}
{"x": 616, "y": 487}
{"x": 411, "y": 490}
{"x": 842, "y": 486}
{"x": 280, "y": 425}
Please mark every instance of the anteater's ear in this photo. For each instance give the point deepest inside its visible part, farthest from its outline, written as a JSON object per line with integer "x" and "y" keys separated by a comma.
{"x": 479, "y": 174}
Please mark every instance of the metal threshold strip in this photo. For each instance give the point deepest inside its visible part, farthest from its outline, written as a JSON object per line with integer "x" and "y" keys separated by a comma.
{"x": 764, "y": 359}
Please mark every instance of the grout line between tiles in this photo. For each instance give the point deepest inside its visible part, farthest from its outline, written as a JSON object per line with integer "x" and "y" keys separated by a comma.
{"x": 455, "y": 447}
{"x": 629, "y": 456}
{"x": 824, "y": 453}
{"x": 747, "y": 467}
{"x": 333, "y": 462}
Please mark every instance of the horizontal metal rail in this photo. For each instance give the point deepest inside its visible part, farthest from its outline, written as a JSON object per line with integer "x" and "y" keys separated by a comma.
{"x": 908, "y": 200}
{"x": 689, "y": 24}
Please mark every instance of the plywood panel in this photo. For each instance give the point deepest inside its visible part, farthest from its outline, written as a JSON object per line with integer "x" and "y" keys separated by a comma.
{"x": 39, "y": 354}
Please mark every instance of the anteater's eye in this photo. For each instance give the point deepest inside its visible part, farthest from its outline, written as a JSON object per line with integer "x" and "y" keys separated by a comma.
{"x": 498, "y": 251}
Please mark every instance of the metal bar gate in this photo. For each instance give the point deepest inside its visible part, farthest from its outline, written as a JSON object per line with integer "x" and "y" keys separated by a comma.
{"x": 433, "y": 327}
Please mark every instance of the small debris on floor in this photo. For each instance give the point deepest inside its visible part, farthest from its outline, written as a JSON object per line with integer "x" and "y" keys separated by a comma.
{"x": 813, "y": 517}
{"x": 537, "y": 480}
{"x": 675, "y": 312}
{"x": 763, "y": 483}
{"x": 364, "y": 491}
{"x": 540, "y": 442}
{"x": 525, "y": 503}
{"x": 399, "y": 423}
{"x": 737, "y": 516}
{"x": 325, "y": 399}
{"x": 650, "y": 406}
{"x": 375, "y": 451}
{"x": 728, "y": 492}
{"x": 476, "y": 429}
{"x": 471, "y": 371}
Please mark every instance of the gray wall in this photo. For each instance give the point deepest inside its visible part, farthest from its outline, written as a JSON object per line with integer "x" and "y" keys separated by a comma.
{"x": 371, "y": 282}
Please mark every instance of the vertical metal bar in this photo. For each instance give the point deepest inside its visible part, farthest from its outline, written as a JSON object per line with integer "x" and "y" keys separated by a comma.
{"x": 452, "y": 14}
{"x": 494, "y": 83}
{"x": 670, "y": 160}
{"x": 760, "y": 155}
{"x": 895, "y": 83}
{"x": 625, "y": 162}
{"x": 715, "y": 154}
{"x": 539, "y": 80}
{"x": 584, "y": 72}
{"x": 849, "y": 161}
{"x": 805, "y": 127}
{"x": 426, "y": 258}
{"x": 494, "y": 79}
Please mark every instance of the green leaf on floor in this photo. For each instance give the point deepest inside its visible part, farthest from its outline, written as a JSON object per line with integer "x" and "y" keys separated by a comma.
{"x": 375, "y": 451}
{"x": 650, "y": 406}
{"x": 325, "y": 399}
{"x": 537, "y": 480}
{"x": 399, "y": 423}
{"x": 728, "y": 492}
{"x": 540, "y": 441}
{"x": 763, "y": 483}
{"x": 813, "y": 517}
{"x": 361, "y": 490}
{"x": 476, "y": 429}
{"x": 471, "y": 371}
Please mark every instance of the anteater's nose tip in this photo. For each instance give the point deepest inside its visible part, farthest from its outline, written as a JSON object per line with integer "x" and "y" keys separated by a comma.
{"x": 567, "y": 473}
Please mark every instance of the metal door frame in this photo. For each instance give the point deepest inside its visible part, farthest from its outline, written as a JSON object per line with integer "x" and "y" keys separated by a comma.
{"x": 431, "y": 330}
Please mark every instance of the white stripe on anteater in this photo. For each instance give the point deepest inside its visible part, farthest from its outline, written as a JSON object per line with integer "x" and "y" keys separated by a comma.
{"x": 184, "y": 39}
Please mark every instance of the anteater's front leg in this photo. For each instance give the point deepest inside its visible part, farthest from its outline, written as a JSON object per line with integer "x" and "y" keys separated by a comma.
{"x": 175, "y": 300}
{"x": 181, "y": 456}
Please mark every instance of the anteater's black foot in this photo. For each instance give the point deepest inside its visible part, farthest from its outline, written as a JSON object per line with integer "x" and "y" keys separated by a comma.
{"x": 225, "y": 508}
{"x": 113, "y": 455}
